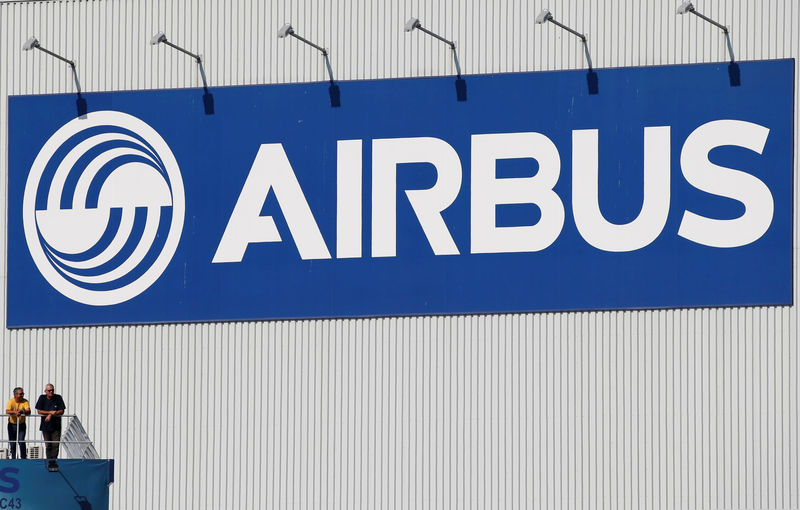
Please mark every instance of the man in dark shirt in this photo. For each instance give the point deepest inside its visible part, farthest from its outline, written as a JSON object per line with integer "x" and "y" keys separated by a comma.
{"x": 51, "y": 406}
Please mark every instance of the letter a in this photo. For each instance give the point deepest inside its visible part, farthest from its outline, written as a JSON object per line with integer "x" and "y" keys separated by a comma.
{"x": 271, "y": 170}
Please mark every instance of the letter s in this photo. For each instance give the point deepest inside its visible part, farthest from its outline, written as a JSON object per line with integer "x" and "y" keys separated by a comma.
{"x": 8, "y": 483}
{"x": 726, "y": 182}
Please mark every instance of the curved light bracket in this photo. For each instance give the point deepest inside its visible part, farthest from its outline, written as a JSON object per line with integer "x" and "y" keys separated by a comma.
{"x": 208, "y": 98}
{"x": 333, "y": 90}
{"x": 545, "y": 15}
{"x": 688, "y": 7}
{"x": 288, "y": 31}
{"x": 159, "y": 37}
{"x": 33, "y": 44}
{"x": 413, "y": 23}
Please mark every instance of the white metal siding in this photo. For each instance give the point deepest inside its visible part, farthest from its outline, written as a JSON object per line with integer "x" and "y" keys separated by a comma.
{"x": 657, "y": 409}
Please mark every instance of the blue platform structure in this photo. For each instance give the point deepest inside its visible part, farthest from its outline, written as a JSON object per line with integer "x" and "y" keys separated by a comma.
{"x": 79, "y": 484}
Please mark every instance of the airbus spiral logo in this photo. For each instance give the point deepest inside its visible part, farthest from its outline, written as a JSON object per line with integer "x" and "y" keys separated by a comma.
{"x": 103, "y": 208}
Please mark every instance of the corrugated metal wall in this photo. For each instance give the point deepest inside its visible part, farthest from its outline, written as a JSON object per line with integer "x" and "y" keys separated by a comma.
{"x": 662, "y": 409}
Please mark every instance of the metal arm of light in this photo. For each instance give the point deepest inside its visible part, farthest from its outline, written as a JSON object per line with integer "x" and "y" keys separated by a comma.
{"x": 413, "y": 23}
{"x": 546, "y": 16}
{"x": 161, "y": 38}
{"x": 33, "y": 43}
{"x": 288, "y": 30}
{"x": 689, "y": 7}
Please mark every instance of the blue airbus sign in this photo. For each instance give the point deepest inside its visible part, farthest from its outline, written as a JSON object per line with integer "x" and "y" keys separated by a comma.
{"x": 644, "y": 187}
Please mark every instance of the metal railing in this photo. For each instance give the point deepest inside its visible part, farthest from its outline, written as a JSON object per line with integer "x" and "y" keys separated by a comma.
{"x": 74, "y": 444}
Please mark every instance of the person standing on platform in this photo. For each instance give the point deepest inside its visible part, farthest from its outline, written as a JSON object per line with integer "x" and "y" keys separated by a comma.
{"x": 51, "y": 406}
{"x": 17, "y": 408}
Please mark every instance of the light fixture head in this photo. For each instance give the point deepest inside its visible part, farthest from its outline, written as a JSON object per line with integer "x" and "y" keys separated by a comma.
{"x": 543, "y": 17}
{"x": 684, "y": 8}
{"x": 412, "y": 23}
{"x": 285, "y": 30}
{"x": 30, "y": 44}
{"x": 158, "y": 38}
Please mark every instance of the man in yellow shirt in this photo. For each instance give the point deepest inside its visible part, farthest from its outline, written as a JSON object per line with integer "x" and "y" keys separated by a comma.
{"x": 17, "y": 408}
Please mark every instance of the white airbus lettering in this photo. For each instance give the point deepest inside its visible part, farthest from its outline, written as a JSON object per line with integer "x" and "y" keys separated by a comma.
{"x": 272, "y": 170}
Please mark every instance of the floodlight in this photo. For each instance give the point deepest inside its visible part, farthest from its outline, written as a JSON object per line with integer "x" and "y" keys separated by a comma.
{"x": 684, "y": 8}
{"x": 30, "y": 44}
{"x": 285, "y": 30}
{"x": 412, "y": 23}
{"x": 158, "y": 38}
{"x": 544, "y": 17}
